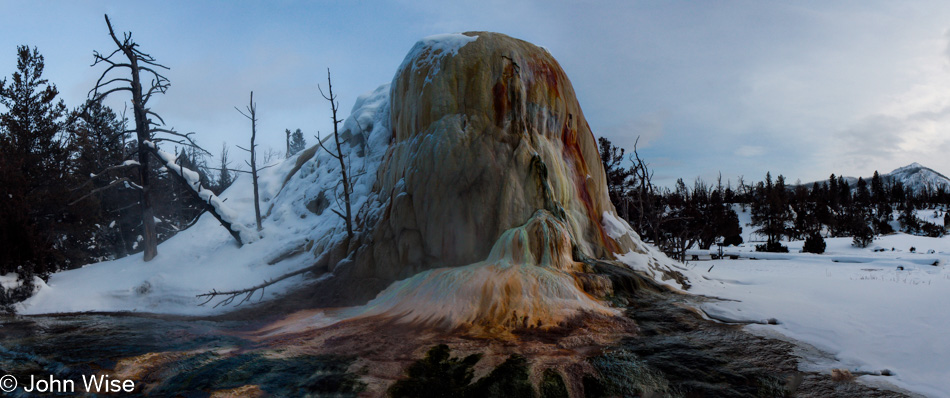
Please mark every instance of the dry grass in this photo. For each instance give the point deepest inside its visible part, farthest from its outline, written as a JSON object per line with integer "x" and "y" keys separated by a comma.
{"x": 841, "y": 375}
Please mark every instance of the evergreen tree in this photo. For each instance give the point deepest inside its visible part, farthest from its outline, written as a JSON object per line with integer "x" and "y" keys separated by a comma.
{"x": 34, "y": 165}
{"x": 770, "y": 212}
{"x": 863, "y": 196}
{"x": 833, "y": 193}
{"x": 101, "y": 141}
{"x": 225, "y": 176}
{"x": 878, "y": 195}
{"x": 618, "y": 179}
{"x": 908, "y": 219}
{"x": 814, "y": 243}
{"x": 296, "y": 142}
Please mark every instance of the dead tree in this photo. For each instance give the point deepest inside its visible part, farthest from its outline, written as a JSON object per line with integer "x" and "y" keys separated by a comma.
{"x": 338, "y": 155}
{"x": 212, "y": 203}
{"x": 137, "y": 63}
{"x": 228, "y": 297}
{"x": 287, "y": 151}
{"x": 252, "y": 115}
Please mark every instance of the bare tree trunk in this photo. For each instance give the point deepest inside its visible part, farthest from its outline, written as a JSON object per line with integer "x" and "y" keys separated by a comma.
{"x": 142, "y": 133}
{"x": 334, "y": 106}
{"x": 287, "y": 151}
{"x": 257, "y": 197}
{"x": 346, "y": 180}
{"x": 252, "y": 116}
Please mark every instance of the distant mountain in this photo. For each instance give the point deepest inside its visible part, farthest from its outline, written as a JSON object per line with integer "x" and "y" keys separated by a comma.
{"x": 918, "y": 177}
{"x": 915, "y": 176}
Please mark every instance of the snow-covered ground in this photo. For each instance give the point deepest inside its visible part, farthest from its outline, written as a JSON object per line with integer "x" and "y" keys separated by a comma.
{"x": 855, "y": 305}
{"x": 206, "y": 257}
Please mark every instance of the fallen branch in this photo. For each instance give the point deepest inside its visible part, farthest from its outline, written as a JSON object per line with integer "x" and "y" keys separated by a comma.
{"x": 212, "y": 203}
{"x": 249, "y": 292}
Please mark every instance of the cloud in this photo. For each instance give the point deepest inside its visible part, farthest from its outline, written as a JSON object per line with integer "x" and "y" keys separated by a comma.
{"x": 895, "y": 139}
{"x": 749, "y": 151}
{"x": 647, "y": 127}
{"x": 946, "y": 50}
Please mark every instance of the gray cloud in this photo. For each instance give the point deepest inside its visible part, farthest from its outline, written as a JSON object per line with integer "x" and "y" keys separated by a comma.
{"x": 814, "y": 87}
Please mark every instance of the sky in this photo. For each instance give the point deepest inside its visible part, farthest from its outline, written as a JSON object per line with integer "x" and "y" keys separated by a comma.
{"x": 737, "y": 88}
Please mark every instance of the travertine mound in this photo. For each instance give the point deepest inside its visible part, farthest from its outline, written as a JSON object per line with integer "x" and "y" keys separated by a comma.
{"x": 486, "y": 131}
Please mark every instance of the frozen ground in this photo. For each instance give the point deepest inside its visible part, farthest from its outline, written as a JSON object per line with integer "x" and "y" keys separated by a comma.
{"x": 856, "y": 305}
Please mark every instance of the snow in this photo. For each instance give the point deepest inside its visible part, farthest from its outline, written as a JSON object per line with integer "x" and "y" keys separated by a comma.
{"x": 865, "y": 309}
{"x": 205, "y": 256}
{"x": 13, "y": 281}
{"x": 10, "y": 281}
{"x": 431, "y": 49}
{"x": 614, "y": 226}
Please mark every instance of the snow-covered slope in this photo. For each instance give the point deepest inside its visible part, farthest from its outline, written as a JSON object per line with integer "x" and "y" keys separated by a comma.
{"x": 297, "y": 199}
{"x": 918, "y": 177}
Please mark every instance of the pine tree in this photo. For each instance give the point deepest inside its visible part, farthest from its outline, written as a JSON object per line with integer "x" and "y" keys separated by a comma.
{"x": 770, "y": 212}
{"x": 862, "y": 197}
{"x": 619, "y": 180}
{"x": 34, "y": 163}
{"x": 101, "y": 140}
{"x": 877, "y": 189}
{"x": 296, "y": 142}
{"x": 814, "y": 243}
{"x": 225, "y": 175}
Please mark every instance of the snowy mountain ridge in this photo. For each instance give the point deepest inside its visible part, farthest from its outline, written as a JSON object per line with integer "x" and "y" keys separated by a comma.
{"x": 915, "y": 176}
{"x": 918, "y": 177}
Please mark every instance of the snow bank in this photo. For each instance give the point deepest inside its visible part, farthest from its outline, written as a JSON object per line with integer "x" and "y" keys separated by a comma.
{"x": 867, "y": 310}
{"x": 643, "y": 257}
{"x": 205, "y": 256}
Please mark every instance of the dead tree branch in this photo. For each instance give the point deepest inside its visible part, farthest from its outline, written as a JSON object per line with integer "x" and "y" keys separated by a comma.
{"x": 252, "y": 116}
{"x": 338, "y": 155}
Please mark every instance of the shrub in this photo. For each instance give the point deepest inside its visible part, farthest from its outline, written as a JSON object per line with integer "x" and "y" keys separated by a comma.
{"x": 932, "y": 230}
{"x": 862, "y": 236}
{"x": 773, "y": 247}
{"x": 883, "y": 227}
{"x": 814, "y": 243}
{"x": 734, "y": 240}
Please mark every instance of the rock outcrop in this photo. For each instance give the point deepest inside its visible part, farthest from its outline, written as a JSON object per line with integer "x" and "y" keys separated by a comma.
{"x": 486, "y": 131}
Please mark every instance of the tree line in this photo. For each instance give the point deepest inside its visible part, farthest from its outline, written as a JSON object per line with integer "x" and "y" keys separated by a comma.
{"x": 684, "y": 217}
